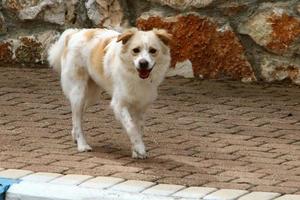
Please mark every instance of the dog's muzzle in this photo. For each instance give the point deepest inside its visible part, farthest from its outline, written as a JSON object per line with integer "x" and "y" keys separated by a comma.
{"x": 143, "y": 69}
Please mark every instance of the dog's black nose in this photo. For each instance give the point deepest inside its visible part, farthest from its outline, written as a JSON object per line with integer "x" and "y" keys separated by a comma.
{"x": 143, "y": 64}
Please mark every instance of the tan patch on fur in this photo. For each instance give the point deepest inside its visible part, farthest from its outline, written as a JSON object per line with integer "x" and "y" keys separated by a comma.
{"x": 97, "y": 55}
{"x": 93, "y": 92}
{"x": 124, "y": 37}
{"x": 163, "y": 35}
{"x": 80, "y": 73}
{"x": 89, "y": 34}
{"x": 65, "y": 52}
{"x": 68, "y": 37}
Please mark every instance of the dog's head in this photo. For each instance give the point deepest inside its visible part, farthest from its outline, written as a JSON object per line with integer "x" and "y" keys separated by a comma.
{"x": 145, "y": 49}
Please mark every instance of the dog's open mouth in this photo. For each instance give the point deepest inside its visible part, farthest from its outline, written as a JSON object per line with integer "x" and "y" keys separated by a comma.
{"x": 144, "y": 73}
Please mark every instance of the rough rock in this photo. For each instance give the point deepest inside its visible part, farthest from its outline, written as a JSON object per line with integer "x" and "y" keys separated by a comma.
{"x": 3, "y": 28}
{"x": 184, "y": 4}
{"x": 298, "y": 8}
{"x": 6, "y": 52}
{"x": 184, "y": 69}
{"x": 105, "y": 13}
{"x": 212, "y": 39}
{"x": 274, "y": 28}
{"x": 15, "y": 5}
{"x": 278, "y": 69}
{"x": 46, "y": 39}
{"x": 59, "y": 12}
{"x": 233, "y": 8}
{"x": 213, "y": 49}
{"x": 27, "y": 49}
{"x": 53, "y": 11}
{"x": 32, "y": 11}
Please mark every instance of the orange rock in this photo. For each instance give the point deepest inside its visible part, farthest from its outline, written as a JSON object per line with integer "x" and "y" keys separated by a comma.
{"x": 278, "y": 69}
{"x": 6, "y": 53}
{"x": 274, "y": 29}
{"x": 215, "y": 52}
{"x": 286, "y": 30}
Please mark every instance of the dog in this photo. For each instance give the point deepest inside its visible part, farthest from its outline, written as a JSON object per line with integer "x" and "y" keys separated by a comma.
{"x": 129, "y": 66}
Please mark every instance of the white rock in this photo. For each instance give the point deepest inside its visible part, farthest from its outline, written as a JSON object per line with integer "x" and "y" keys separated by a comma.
{"x": 184, "y": 69}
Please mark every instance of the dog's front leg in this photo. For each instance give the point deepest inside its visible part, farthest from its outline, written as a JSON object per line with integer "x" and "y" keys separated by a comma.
{"x": 132, "y": 128}
{"x": 140, "y": 120}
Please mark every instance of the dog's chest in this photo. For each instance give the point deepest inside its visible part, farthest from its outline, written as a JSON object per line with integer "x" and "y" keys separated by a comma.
{"x": 140, "y": 93}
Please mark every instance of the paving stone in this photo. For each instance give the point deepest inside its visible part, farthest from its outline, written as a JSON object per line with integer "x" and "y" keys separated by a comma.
{"x": 163, "y": 189}
{"x": 259, "y": 196}
{"x": 136, "y": 176}
{"x": 47, "y": 168}
{"x": 12, "y": 165}
{"x": 229, "y": 185}
{"x": 194, "y": 192}
{"x": 133, "y": 186}
{"x": 288, "y": 197}
{"x": 41, "y": 177}
{"x": 71, "y": 179}
{"x": 14, "y": 173}
{"x": 198, "y": 133}
{"x": 101, "y": 182}
{"x": 225, "y": 194}
{"x": 279, "y": 189}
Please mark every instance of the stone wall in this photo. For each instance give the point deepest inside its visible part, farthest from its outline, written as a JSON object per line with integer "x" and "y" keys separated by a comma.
{"x": 244, "y": 40}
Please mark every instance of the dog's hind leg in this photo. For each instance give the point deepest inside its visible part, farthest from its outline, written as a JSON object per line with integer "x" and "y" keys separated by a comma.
{"x": 77, "y": 104}
{"x": 75, "y": 89}
{"x": 125, "y": 115}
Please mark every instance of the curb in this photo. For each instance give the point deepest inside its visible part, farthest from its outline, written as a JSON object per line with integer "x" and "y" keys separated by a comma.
{"x": 46, "y": 186}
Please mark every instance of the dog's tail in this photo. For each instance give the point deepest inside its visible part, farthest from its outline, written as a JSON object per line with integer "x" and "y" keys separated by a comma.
{"x": 56, "y": 51}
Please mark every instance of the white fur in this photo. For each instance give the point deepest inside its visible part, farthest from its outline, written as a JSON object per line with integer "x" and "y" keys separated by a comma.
{"x": 130, "y": 94}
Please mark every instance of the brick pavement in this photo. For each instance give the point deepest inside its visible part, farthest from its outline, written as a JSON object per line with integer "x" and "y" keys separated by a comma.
{"x": 199, "y": 133}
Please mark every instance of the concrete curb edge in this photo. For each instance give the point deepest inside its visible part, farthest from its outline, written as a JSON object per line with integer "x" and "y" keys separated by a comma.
{"x": 46, "y": 186}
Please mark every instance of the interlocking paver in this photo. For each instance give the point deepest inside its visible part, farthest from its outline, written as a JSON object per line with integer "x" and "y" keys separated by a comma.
{"x": 230, "y": 185}
{"x": 137, "y": 176}
{"x": 14, "y": 173}
{"x": 198, "y": 133}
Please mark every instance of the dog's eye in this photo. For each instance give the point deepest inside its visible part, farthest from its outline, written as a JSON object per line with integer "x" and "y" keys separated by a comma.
{"x": 136, "y": 50}
{"x": 152, "y": 50}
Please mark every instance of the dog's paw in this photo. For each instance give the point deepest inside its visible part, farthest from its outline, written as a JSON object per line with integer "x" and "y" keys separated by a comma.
{"x": 73, "y": 137}
{"x": 137, "y": 155}
{"x": 84, "y": 148}
{"x": 139, "y": 152}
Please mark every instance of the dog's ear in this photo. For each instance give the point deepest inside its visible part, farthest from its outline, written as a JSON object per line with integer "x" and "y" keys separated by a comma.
{"x": 126, "y": 35}
{"x": 163, "y": 35}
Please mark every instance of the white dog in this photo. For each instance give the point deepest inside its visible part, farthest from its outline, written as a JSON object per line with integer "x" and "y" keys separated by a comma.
{"x": 129, "y": 66}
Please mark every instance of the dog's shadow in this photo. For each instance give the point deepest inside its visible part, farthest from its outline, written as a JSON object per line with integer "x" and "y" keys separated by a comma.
{"x": 158, "y": 166}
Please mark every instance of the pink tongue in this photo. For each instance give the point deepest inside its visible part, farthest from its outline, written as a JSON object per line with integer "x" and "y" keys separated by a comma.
{"x": 144, "y": 73}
